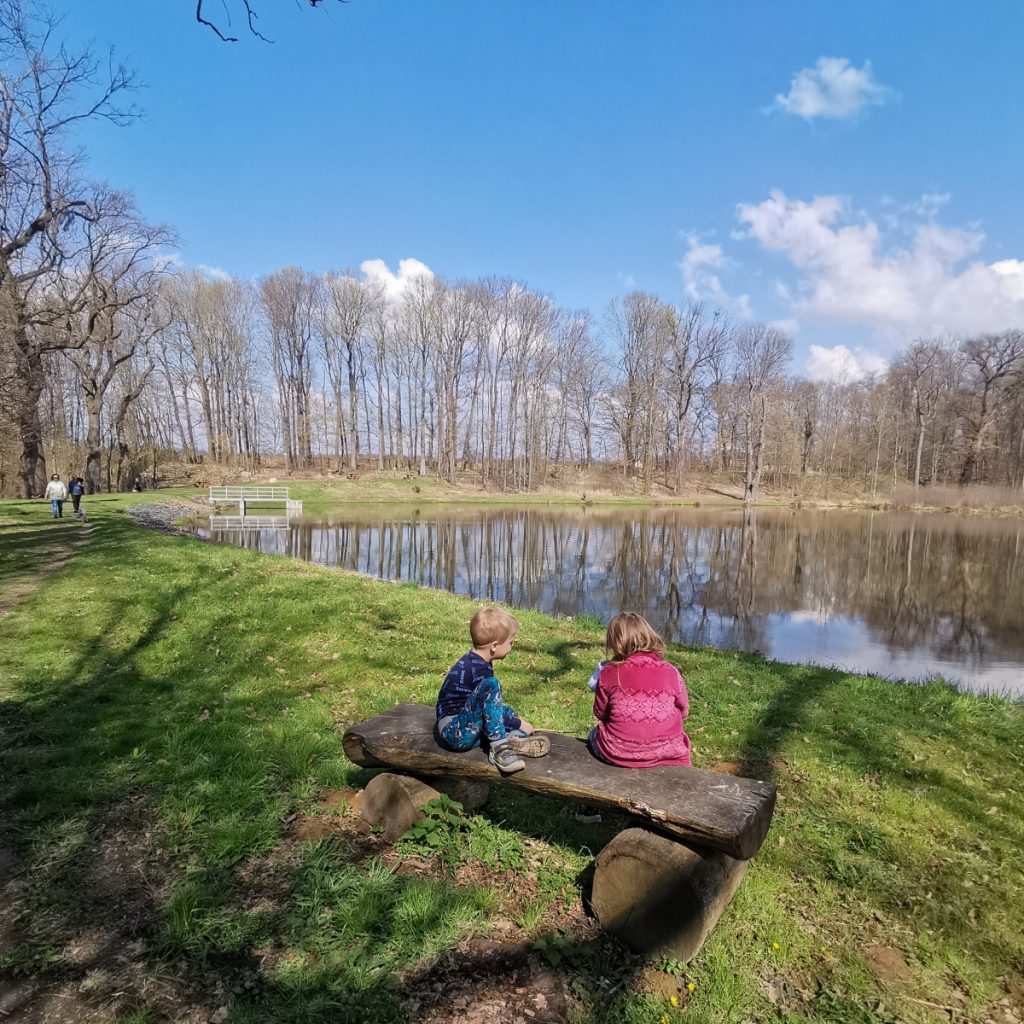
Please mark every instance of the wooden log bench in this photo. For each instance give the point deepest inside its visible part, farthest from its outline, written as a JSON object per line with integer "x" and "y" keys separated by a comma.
{"x": 661, "y": 886}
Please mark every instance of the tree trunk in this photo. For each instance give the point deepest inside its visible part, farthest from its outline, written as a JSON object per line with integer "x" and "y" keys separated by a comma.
{"x": 805, "y": 454}
{"x": 93, "y": 443}
{"x": 33, "y": 462}
{"x": 755, "y": 446}
{"x": 917, "y": 455}
{"x": 971, "y": 462}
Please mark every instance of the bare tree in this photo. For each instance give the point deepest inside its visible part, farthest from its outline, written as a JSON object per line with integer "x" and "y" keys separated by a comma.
{"x": 419, "y": 321}
{"x": 291, "y": 301}
{"x": 46, "y": 90}
{"x": 993, "y": 362}
{"x": 528, "y": 325}
{"x": 805, "y": 395}
{"x": 457, "y": 313}
{"x": 118, "y": 310}
{"x": 637, "y": 327}
{"x": 207, "y": 356}
{"x": 761, "y": 353}
{"x": 586, "y": 376}
{"x": 345, "y": 319}
{"x": 924, "y": 367}
{"x": 695, "y": 344}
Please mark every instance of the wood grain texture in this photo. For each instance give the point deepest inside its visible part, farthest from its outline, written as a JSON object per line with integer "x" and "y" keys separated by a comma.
{"x": 701, "y": 807}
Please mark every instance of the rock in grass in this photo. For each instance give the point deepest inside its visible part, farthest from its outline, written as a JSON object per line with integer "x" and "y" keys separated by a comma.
{"x": 660, "y": 896}
{"x": 471, "y": 794}
{"x": 393, "y": 802}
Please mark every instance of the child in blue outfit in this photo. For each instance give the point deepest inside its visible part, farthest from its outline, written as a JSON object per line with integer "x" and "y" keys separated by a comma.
{"x": 470, "y": 708}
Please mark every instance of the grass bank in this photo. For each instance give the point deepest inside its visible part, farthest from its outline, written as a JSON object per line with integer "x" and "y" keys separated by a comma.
{"x": 175, "y": 834}
{"x": 606, "y": 484}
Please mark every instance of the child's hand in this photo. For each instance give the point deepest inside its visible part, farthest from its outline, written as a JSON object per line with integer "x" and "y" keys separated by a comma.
{"x": 525, "y": 726}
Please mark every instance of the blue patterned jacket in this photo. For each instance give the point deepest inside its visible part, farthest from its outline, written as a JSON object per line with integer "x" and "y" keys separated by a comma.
{"x": 462, "y": 679}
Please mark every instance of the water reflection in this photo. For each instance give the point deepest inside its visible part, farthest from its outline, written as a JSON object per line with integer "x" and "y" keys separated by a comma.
{"x": 221, "y": 525}
{"x": 902, "y": 595}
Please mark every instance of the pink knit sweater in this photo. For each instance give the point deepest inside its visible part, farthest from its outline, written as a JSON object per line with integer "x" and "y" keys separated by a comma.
{"x": 640, "y": 706}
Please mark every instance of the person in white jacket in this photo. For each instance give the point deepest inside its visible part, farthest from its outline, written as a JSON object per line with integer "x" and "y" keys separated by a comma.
{"x": 56, "y": 494}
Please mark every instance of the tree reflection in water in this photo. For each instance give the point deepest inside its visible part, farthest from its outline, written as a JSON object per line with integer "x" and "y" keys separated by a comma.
{"x": 900, "y": 594}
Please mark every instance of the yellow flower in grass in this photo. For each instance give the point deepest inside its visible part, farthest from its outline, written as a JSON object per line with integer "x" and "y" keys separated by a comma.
{"x": 690, "y": 986}
{"x": 663, "y": 1019}
{"x": 673, "y": 1001}
{"x": 775, "y": 945}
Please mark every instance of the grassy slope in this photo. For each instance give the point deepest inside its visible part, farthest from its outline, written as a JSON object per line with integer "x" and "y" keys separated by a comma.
{"x": 207, "y": 682}
{"x": 606, "y": 485}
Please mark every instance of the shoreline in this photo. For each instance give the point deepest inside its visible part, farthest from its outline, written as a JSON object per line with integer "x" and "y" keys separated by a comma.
{"x": 166, "y": 515}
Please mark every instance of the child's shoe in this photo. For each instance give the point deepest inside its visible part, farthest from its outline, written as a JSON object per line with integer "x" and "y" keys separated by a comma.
{"x": 533, "y": 745}
{"x": 505, "y": 759}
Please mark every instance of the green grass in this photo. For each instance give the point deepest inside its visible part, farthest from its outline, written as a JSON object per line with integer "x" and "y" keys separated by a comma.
{"x": 206, "y": 687}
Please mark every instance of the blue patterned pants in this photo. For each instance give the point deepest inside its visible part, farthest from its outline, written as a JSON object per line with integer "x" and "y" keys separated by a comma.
{"x": 482, "y": 715}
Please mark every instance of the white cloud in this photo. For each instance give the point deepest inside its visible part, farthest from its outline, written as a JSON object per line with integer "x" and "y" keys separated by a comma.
{"x": 847, "y": 272}
{"x": 173, "y": 260}
{"x": 1012, "y": 272}
{"x": 213, "y": 272}
{"x": 789, "y": 325}
{"x": 701, "y": 281}
{"x": 841, "y": 365}
{"x": 900, "y": 216}
{"x": 395, "y": 284}
{"x": 930, "y": 203}
{"x": 832, "y": 88}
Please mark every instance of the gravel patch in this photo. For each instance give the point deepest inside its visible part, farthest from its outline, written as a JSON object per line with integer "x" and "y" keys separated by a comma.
{"x": 164, "y": 515}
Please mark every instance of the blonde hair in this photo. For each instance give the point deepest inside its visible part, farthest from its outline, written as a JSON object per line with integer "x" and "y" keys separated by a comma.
{"x": 629, "y": 633}
{"x": 492, "y": 626}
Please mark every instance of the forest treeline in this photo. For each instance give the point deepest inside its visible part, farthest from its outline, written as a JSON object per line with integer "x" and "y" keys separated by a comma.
{"x": 113, "y": 358}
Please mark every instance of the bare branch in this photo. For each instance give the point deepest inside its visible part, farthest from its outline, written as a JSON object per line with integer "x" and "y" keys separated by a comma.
{"x": 251, "y": 15}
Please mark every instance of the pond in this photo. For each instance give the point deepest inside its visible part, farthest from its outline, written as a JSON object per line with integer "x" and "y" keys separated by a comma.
{"x": 904, "y": 595}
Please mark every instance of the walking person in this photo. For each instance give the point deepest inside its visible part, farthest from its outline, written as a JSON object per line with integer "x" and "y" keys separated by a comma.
{"x": 76, "y": 488}
{"x": 56, "y": 494}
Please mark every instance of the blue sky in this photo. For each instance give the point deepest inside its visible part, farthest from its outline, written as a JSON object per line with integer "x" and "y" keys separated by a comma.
{"x": 850, "y": 171}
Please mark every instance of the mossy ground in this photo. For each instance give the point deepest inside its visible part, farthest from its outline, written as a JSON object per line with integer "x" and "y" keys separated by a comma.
{"x": 171, "y": 708}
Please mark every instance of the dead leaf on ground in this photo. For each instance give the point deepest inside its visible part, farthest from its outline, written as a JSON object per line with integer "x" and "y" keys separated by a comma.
{"x": 886, "y": 963}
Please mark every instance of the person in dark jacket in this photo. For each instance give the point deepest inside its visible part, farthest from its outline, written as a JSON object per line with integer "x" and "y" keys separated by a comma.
{"x": 76, "y": 488}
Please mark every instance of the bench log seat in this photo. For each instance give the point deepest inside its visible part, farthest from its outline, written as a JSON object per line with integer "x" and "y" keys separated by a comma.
{"x": 702, "y": 808}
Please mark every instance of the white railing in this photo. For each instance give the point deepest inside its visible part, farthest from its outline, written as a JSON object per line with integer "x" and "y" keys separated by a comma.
{"x": 248, "y": 493}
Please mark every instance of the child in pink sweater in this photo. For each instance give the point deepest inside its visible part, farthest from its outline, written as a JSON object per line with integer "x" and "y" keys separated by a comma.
{"x": 640, "y": 700}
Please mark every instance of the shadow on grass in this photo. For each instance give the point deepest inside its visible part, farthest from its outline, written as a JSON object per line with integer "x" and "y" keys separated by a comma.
{"x": 156, "y": 709}
{"x": 871, "y": 728}
{"x": 142, "y": 778}
{"x": 26, "y": 547}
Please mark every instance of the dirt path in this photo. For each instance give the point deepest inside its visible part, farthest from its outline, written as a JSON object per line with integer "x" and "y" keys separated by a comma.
{"x": 16, "y": 589}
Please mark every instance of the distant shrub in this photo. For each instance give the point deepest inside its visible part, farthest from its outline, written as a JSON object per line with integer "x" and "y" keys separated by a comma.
{"x": 950, "y": 496}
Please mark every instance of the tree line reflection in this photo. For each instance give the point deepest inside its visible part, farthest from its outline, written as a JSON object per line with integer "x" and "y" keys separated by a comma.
{"x": 949, "y": 588}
